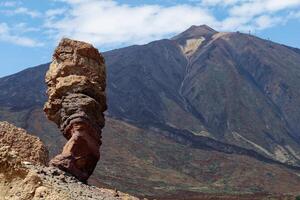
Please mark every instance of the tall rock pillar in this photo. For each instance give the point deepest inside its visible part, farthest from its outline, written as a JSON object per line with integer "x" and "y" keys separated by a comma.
{"x": 76, "y": 82}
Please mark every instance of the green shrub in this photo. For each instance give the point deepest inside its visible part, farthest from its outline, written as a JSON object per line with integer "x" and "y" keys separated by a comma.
{"x": 297, "y": 198}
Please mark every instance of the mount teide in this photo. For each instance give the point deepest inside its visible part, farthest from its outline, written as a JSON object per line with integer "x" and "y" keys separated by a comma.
{"x": 191, "y": 113}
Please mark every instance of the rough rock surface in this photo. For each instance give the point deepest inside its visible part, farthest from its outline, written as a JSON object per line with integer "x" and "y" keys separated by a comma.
{"x": 76, "y": 83}
{"x": 27, "y": 147}
{"x": 26, "y": 178}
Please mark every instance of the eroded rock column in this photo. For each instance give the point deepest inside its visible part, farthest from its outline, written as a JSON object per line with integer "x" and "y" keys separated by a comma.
{"x": 76, "y": 83}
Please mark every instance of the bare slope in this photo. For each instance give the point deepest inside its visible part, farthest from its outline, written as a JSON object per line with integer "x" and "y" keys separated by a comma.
{"x": 231, "y": 98}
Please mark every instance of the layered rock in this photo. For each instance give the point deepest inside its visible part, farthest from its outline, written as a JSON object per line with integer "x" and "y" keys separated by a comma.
{"x": 24, "y": 176}
{"x": 76, "y": 82}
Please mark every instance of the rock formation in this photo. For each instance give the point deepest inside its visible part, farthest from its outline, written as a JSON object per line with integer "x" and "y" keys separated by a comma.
{"x": 21, "y": 145}
{"x": 76, "y": 82}
{"x": 24, "y": 176}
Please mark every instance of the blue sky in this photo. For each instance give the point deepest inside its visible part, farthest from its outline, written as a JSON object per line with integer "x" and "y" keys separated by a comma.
{"x": 30, "y": 29}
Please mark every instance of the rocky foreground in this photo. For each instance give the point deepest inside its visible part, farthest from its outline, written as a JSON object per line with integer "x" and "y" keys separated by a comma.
{"x": 25, "y": 176}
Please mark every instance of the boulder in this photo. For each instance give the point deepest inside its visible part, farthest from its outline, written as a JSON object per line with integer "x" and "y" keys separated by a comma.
{"x": 21, "y": 146}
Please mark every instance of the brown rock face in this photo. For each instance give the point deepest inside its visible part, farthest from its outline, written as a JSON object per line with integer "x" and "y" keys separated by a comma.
{"x": 21, "y": 146}
{"x": 76, "y": 83}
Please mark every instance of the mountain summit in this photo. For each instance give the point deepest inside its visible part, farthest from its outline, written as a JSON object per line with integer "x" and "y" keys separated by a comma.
{"x": 194, "y": 37}
{"x": 191, "y": 114}
{"x": 196, "y": 32}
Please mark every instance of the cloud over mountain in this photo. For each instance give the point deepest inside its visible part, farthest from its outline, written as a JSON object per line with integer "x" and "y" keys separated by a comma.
{"x": 113, "y": 23}
{"x": 110, "y": 23}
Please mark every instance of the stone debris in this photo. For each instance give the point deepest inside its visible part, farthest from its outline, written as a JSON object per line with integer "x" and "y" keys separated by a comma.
{"x": 24, "y": 176}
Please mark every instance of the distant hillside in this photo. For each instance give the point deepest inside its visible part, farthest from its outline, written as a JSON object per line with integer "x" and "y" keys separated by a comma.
{"x": 203, "y": 112}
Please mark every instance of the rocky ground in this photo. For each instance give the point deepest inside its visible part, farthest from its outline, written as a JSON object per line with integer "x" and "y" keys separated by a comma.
{"x": 24, "y": 175}
{"x": 50, "y": 183}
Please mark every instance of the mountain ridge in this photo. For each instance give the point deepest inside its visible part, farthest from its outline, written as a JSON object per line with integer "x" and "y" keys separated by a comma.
{"x": 218, "y": 91}
{"x": 180, "y": 74}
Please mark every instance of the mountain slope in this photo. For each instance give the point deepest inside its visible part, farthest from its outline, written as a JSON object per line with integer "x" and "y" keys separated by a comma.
{"x": 245, "y": 89}
{"x": 233, "y": 87}
{"x": 230, "y": 98}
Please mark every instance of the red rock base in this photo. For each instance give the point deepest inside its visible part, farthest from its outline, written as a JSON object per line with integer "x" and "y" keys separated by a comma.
{"x": 81, "y": 153}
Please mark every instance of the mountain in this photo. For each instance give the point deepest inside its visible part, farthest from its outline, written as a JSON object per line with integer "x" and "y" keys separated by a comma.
{"x": 230, "y": 87}
{"x": 202, "y": 112}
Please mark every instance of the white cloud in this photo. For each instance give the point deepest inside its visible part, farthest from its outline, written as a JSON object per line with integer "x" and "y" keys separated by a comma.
{"x": 222, "y": 3}
{"x": 21, "y": 11}
{"x": 258, "y": 7}
{"x": 253, "y": 15}
{"x": 268, "y": 5}
{"x": 109, "y": 23}
{"x": 294, "y": 15}
{"x": 8, "y": 4}
{"x": 235, "y": 23}
{"x": 55, "y": 12}
{"x": 7, "y": 36}
{"x": 24, "y": 28}
{"x": 266, "y": 21}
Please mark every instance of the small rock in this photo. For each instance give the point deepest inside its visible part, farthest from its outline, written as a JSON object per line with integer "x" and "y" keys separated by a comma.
{"x": 26, "y": 163}
{"x": 116, "y": 194}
